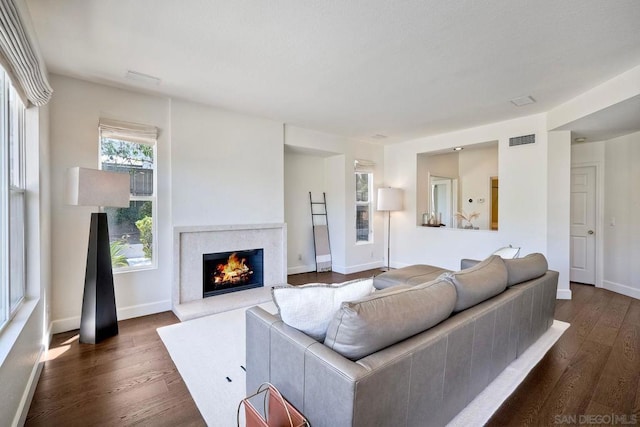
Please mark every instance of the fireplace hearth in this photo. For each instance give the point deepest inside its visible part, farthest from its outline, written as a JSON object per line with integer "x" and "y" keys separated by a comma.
{"x": 225, "y": 272}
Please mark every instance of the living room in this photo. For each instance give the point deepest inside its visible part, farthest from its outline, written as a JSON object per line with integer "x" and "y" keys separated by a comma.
{"x": 222, "y": 163}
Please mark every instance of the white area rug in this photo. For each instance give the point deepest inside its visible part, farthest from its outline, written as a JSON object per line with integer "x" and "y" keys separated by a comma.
{"x": 210, "y": 353}
{"x": 207, "y": 351}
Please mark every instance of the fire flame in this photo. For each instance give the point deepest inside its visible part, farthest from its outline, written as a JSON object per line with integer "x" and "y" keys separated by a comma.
{"x": 232, "y": 270}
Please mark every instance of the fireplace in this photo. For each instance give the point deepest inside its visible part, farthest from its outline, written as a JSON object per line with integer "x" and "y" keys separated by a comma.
{"x": 225, "y": 272}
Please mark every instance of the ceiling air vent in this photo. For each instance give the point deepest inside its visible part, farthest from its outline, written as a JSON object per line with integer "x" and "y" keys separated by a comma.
{"x": 522, "y": 140}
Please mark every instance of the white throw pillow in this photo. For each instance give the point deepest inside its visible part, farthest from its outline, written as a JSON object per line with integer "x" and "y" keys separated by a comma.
{"x": 508, "y": 252}
{"x": 311, "y": 307}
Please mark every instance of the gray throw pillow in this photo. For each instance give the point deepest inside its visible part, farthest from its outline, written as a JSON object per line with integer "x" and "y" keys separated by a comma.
{"x": 479, "y": 283}
{"x": 386, "y": 317}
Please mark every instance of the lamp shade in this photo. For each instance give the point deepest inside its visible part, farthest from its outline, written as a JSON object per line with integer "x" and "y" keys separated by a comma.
{"x": 92, "y": 187}
{"x": 390, "y": 199}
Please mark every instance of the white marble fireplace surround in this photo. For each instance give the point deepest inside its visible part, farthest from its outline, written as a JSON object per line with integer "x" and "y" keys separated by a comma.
{"x": 191, "y": 242}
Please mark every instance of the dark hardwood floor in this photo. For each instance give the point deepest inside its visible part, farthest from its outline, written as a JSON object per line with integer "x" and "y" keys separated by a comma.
{"x": 130, "y": 379}
{"x": 590, "y": 376}
{"x": 330, "y": 277}
{"x": 124, "y": 380}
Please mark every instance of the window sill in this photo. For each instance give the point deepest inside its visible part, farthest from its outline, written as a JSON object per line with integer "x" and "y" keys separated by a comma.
{"x": 14, "y": 327}
{"x": 135, "y": 269}
{"x": 364, "y": 243}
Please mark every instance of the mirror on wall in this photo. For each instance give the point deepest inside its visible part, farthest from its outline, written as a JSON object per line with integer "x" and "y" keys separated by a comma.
{"x": 443, "y": 201}
{"x": 459, "y": 189}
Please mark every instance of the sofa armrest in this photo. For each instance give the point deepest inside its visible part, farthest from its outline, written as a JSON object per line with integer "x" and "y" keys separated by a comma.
{"x": 258, "y": 330}
{"x": 467, "y": 263}
{"x": 315, "y": 379}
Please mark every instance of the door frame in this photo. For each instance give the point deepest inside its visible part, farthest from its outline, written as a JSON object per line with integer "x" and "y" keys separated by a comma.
{"x": 599, "y": 215}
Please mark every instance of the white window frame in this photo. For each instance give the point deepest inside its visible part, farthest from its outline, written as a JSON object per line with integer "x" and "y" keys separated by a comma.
{"x": 368, "y": 203}
{"x": 133, "y": 198}
{"x": 7, "y": 188}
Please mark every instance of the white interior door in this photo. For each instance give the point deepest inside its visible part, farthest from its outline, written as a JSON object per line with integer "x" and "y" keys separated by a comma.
{"x": 583, "y": 224}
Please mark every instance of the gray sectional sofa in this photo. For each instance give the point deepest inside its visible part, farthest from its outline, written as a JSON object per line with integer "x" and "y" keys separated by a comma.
{"x": 412, "y": 354}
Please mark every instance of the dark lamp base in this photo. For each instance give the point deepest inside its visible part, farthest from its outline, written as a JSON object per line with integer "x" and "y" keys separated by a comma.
{"x": 99, "y": 319}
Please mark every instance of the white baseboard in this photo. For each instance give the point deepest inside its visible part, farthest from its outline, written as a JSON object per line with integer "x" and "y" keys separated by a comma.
{"x": 362, "y": 267}
{"x": 30, "y": 389}
{"x": 301, "y": 269}
{"x": 621, "y": 289}
{"x": 339, "y": 269}
{"x": 336, "y": 268}
{"x": 143, "y": 309}
{"x": 398, "y": 265}
{"x": 64, "y": 325}
{"x": 563, "y": 294}
{"x": 71, "y": 323}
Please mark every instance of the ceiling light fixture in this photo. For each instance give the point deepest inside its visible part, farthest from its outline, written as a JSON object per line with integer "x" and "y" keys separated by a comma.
{"x": 378, "y": 136}
{"x": 580, "y": 139}
{"x": 143, "y": 78}
{"x": 458, "y": 148}
{"x": 522, "y": 101}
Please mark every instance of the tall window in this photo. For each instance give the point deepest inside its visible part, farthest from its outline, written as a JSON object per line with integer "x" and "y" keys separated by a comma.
{"x": 12, "y": 200}
{"x": 364, "y": 186}
{"x": 131, "y": 230}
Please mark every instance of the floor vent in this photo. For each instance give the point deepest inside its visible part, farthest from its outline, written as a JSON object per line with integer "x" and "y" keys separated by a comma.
{"x": 522, "y": 140}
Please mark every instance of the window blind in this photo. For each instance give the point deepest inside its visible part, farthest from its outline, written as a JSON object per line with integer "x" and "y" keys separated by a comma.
{"x": 364, "y": 166}
{"x": 132, "y": 132}
{"x": 18, "y": 58}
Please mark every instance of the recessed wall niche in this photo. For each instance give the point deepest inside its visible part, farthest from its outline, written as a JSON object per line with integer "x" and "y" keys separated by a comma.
{"x": 463, "y": 182}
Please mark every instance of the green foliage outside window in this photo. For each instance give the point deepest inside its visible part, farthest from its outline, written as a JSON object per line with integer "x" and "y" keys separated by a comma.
{"x": 145, "y": 210}
{"x": 145, "y": 225}
{"x": 131, "y": 228}
{"x": 118, "y": 258}
{"x": 126, "y": 153}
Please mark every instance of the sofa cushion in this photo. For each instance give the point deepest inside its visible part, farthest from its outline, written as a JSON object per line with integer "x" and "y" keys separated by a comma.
{"x": 522, "y": 269}
{"x": 479, "y": 283}
{"x": 410, "y": 275}
{"x": 377, "y": 321}
{"x": 310, "y": 307}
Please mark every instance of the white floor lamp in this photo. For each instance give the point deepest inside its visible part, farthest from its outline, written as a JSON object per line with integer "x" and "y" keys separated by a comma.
{"x": 389, "y": 199}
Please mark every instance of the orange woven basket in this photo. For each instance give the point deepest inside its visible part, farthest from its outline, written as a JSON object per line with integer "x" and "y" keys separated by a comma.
{"x": 278, "y": 412}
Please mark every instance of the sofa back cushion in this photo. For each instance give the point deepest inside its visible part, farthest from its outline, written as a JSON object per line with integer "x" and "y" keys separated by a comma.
{"x": 384, "y": 318}
{"x": 410, "y": 275}
{"x": 479, "y": 283}
{"x": 522, "y": 269}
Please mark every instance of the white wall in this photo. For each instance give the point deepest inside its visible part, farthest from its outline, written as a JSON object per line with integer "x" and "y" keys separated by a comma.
{"x": 476, "y": 167}
{"x": 75, "y": 110}
{"x": 335, "y": 179}
{"x": 214, "y": 167}
{"x": 523, "y": 197}
{"x": 617, "y": 228}
{"x": 339, "y": 184}
{"x": 303, "y": 173}
{"x": 621, "y": 207}
{"x": 226, "y": 168}
{"x": 558, "y": 207}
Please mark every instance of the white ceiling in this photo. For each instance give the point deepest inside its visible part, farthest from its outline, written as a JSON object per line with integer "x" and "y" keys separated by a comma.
{"x": 355, "y": 68}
